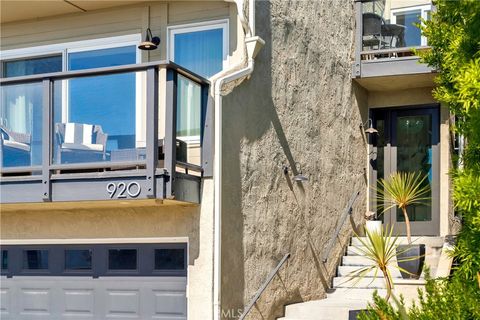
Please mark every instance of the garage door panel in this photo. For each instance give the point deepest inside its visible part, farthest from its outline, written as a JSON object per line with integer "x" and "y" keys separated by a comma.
{"x": 57, "y": 294}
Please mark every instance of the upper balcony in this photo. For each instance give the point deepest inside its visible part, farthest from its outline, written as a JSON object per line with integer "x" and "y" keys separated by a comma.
{"x": 139, "y": 131}
{"x": 386, "y": 36}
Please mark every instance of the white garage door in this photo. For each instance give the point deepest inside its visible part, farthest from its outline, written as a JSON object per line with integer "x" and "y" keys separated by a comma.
{"x": 114, "y": 281}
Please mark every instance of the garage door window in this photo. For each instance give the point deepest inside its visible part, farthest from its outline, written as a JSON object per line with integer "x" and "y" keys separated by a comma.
{"x": 169, "y": 259}
{"x": 78, "y": 259}
{"x": 122, "y": 259}
{"x": 35, "y": 259}
{"x": 4, "y": 259}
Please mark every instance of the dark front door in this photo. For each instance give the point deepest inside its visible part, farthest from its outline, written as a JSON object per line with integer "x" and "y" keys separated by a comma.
{"x": 407, "y": 141}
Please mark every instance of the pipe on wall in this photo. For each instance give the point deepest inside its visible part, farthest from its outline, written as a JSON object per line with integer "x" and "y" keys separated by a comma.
{"x": 253, "y": 45}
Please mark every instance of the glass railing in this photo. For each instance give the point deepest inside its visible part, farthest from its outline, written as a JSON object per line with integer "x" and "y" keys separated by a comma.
{"x": 393, "y": 25}
{"x": 21, "y": 125}
{"x": 99, "y": 119}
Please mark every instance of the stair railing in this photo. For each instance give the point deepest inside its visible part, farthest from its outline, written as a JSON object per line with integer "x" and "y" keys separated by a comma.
{"x": 348, "y": 211}
{"x": 263, "y": 287}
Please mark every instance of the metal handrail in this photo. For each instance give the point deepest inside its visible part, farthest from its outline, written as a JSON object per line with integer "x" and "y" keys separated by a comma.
{"x": 105, "y": 71}
{"x": 346, "y": 213}
{"x": 264, "y": 286}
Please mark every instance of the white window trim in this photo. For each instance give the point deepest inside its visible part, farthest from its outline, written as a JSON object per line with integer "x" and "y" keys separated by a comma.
{"x": 199, "y": 26}
{"x": 88, "y": 45}
{"x": 423, "y": 14}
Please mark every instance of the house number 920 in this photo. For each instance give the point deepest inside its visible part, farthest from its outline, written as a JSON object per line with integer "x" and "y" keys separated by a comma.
{"x": 121, "y": 190}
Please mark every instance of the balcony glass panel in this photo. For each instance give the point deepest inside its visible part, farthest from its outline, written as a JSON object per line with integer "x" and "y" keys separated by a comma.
{"x": 21, "y": 125}
{"x": 100, "y": 118}
{"x": 189, "y": 121}
{"x": 393, "y": 24}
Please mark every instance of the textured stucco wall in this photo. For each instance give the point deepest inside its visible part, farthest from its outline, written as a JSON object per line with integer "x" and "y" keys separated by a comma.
{"x": 299, "y": 106}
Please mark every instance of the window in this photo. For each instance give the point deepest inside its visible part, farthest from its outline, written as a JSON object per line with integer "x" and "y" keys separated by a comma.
{"x": 4, "y": 259}
{"x": 410, "y": 17}
{"x": 169, "y": 259}
{"x": 210, "y": 43}
{"x": 35, "y": 259}
{"x": 78, "y": 259}
{"x": 122, "y": 259}
{"x": 30, "y": 66}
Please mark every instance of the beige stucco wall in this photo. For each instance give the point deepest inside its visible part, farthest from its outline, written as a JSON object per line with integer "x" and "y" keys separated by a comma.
{"x": 299, "y": 106}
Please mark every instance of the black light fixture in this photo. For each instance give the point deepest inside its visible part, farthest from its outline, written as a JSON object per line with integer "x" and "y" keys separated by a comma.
{"x": 370, "y": 129}
{"x": 150, "y": 43}
{"x": 298, "y": 177}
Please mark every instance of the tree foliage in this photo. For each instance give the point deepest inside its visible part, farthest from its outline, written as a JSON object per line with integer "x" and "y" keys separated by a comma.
{"x": 454, "y": 37}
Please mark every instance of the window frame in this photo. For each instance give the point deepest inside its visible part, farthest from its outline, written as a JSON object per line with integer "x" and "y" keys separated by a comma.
{"x": 424, "y": 9}
{"x": 65, "y": 48}
{"x": 224, "y": 24}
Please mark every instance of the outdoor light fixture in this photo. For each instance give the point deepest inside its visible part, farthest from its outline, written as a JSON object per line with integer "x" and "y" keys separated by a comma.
{"x": 370, "y": 129}
{"x": 150, "y": 43}
{"x": 298, "y": 177}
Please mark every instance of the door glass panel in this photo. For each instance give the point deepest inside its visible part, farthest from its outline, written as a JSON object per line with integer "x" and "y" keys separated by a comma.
{"x": 379, "y": 163}
{"x": 414, "y": 154}
{"x": 4, "y": 259}
{"x": 412, "y": 32}
{"x": 98, "y": 115}
{"x": 207, "y": 57}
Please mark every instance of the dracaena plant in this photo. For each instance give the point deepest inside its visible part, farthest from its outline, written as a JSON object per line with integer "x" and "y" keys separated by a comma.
{"x": 380, "y": 247}
{"x": 403, "y": 189}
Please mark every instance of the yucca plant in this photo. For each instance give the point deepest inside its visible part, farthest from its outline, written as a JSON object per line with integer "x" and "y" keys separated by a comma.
{"x": 402, "y": 189}
{"x": 380, "y": 248}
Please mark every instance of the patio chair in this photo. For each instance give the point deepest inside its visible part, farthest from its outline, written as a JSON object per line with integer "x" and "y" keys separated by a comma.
{"x": 372, "y": 30}
{"x": 78, "y": 142}
{"x": 15, "y": 148}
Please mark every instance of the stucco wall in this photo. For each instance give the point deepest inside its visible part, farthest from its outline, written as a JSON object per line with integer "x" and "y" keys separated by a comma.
{"x": 299, "y": 106}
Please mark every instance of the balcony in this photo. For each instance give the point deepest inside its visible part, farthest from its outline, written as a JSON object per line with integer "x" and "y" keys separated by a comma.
{"x": 386, "y": 36}
{"x": 129, "y": 132}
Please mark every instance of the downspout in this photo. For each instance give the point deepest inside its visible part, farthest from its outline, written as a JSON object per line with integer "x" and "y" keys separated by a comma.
{"x": 253, "y": 45}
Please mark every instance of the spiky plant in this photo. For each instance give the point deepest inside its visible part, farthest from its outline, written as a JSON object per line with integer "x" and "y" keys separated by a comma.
{"x": 380, "y": 248}
{"x": 403, "y": 189}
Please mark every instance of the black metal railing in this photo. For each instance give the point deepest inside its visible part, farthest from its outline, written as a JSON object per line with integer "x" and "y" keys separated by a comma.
{"x": 46, "y": 160}
{"x": 346, "y": 213}
{"x": 263, "y": 287}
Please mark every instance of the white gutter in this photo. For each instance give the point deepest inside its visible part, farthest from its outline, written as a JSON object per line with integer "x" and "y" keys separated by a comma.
{"x": 253, "y": 44}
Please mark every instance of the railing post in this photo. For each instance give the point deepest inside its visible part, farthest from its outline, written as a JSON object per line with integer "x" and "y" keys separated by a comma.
{"x": 207, "y": 132}
{"x": 357, "y": 68}
{"x": 170, "y": 129}
{"x": 152, "y": 131}
{"x": 46, "y": 139}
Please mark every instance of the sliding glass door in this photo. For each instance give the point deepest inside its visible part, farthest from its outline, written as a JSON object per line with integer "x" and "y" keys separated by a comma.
{"x": 407, "y": 141}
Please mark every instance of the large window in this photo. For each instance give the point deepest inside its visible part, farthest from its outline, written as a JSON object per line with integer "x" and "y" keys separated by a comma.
{"x": 96, "y": 118}
{"x": 201, "y": 48}
{"x": 411, "y": 18}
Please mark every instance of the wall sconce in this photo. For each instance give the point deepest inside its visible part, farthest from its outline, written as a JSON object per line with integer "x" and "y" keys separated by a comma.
{"x": 370, "y": 129}
{"x": 298, "y": 177}
{"x": 150, "y": 43}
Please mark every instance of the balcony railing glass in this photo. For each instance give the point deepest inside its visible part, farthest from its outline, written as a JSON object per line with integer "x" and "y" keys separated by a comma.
{"x": 21, "y": 125}
{"x": 393, "y": 25}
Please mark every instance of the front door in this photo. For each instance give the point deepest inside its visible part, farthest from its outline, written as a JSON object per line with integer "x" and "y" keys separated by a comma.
{"x": 407, "y": 141}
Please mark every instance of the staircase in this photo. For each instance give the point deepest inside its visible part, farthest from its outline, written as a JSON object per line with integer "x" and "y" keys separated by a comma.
{"x": 348, "y": 294}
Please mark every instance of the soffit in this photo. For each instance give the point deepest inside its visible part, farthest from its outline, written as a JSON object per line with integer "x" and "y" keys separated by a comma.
{"x": 398, "y": 82}
{"x": 14, "y": 10}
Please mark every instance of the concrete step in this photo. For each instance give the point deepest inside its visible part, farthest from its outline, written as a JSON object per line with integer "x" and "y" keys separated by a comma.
{"x": 322, "y": 309}
{"x": 355, "y": 293}
{"x": 358, "y": 261}
{"x": 347, "y": 282}
{"x": 346, "y": 271}
{"x": 428, "y": 241}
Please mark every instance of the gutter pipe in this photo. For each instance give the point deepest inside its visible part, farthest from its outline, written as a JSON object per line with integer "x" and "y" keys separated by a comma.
{"x": 253, "y": 44}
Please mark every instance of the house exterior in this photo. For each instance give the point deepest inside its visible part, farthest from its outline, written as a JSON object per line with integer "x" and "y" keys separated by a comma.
{"x": 169, "y": 183}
